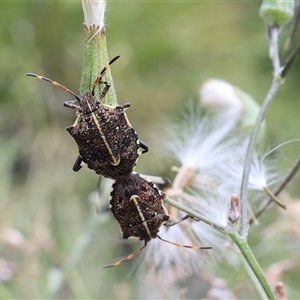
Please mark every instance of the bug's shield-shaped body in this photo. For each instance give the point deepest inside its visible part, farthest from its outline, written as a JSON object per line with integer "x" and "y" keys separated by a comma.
{"x": 106, "y": 141}
{"x": 137, "y": 205}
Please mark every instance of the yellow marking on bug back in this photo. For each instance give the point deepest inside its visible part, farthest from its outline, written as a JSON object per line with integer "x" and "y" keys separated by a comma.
{"x": 115, "y": 161}
{"x": 76, "y": 121}
{"x": 134, "y": 199}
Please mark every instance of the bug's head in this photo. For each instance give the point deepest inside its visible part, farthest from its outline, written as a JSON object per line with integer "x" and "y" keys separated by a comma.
{"x": 88, "y": 103}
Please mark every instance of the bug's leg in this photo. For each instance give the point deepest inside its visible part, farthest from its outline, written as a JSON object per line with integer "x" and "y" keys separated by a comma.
{"x": 161, "y": 182}
{"x": 78, "y": 164}
{"x": 72, "y": 104}
{"x": 105, "y": 90}
{"x": 125, "y": 105}
{"x": 122, "y": 107}
{"x": 98, "y": 79}
{"x": 130, "y": 256}
{"x": 169, "y": 224}
{"x": 185, "y": 246}
{"x": 144, "y": 146}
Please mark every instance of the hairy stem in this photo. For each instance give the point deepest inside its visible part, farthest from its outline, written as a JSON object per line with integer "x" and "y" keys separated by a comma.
{"x": 95, "y": 57}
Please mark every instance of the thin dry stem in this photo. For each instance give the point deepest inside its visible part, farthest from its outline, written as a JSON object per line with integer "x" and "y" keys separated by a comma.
{"x": 290, "y": 61}
{"x": 288, "y": 178}
{"x": 273, "y": 197}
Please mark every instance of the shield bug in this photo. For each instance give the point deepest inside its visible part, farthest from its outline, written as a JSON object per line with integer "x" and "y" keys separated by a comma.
{"x": 137, "y": 205}
{"x": 106, "y": 141}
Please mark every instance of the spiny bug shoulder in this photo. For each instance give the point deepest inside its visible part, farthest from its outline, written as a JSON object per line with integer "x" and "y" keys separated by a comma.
{"x": 106, "y": 141}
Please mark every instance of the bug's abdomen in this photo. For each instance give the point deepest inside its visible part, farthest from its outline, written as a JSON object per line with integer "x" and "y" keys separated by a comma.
{"x": 108, "y": 145}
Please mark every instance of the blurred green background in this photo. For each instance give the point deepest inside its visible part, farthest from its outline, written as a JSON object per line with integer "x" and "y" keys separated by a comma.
{"x": 167, "y": 50}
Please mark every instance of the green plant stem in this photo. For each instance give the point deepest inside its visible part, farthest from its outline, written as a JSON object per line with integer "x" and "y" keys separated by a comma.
{"x": 252, "y": 277}
{"x": 244, "y": 224}
{"x": 238, "y": 240}
{"x": 273, "y": 33}
{"x": 285, "y": 69}
{"x": 95, "y": 57}
{"x": 276, "y": 83}
{"x": 253, "y": 264}
{"x": 195, "y": 215}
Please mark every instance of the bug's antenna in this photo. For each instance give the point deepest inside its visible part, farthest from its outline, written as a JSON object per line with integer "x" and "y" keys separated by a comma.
{"x": 54, "y": 83}
{"x": 100, "y": 75}
{"x": 185, "y": 246}
{"x": 130, "y": 256}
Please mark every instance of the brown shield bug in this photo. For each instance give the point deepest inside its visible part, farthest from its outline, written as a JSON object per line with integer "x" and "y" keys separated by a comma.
{"x": 138, "y": 207}
{"x": 106, "y": 141}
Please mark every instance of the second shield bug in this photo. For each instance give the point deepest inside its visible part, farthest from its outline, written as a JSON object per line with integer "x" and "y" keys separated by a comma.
{"x": 138, "y": 207}
{"x": 106, "y": 141}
